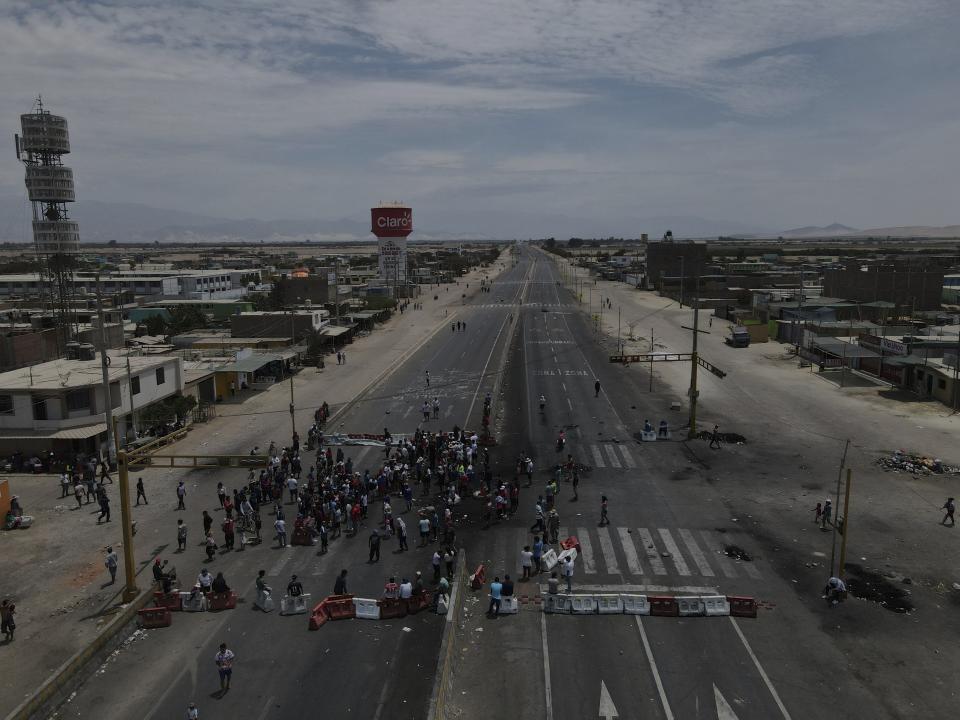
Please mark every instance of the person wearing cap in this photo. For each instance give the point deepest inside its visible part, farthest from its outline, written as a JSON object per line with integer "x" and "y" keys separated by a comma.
{"x": 294, "y": 587}
{"x": 193, "y": 712}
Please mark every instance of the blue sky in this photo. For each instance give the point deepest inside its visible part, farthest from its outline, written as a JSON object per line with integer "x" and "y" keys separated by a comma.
{"x": 502, "y": 117}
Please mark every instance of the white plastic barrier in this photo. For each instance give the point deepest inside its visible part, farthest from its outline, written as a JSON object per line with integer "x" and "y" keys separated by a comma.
{"x": 715, "y": 605}
{"x": 509, "y": 606}
{"x": 569, "y": 553}
{"x": 264, "y": 601}
{"x": 635, "y": 604}
{"x": 609, "y": 604}
{"x": 556, "y": 603}
{"x": 198, "y": 604}
{"x": 549, "y": 560}
{"x": 648, "y": 436}
{"x": 294, "y": 605}
{"x": 366, "y": 608}
{"x": 583, "y": 604}
{"x": 443, "y": 604}
{"x": 690, "y": 605}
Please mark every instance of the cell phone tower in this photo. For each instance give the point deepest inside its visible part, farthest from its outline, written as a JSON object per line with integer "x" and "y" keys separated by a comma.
{"x": 43, "y": 141}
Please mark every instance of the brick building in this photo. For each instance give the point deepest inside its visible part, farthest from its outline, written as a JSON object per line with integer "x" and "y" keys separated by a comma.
{"x": 909, "y": 287}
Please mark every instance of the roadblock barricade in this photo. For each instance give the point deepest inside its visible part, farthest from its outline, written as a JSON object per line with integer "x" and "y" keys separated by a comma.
{"x": 663, "y": 605}
{"x": 509, "y": 606}
{"x": 549, "y": 560}
{"x": 193, "y": 602}
{"x": 715, "y": 605}
{"x": 583, "y": 605}
{"x": 443, "y": 604}
{"x": 556, "y": 604}
{"x": 568, "y": 553}
{"x": 318, "y": 616}
{"x": 391, "y": 608}
{"x": 648, "y": 435}
{"x": 570, "y": 542}
{"x": 478, "y": 578}
{"x": 294, "y": 605}
{"x": 366, "y": 608}
{"x": 264, "y": 601}
{"x": 742, "y": 606}
{"x": 340, "y": 607}
{"x": 635, "y": 604}
{"x": 302, "y": 536}
{"x": 155, "y": 617}
{"x": 170, "y": 600}
{"x": 223, "y": 601}
{"x": 416, "y": 603}
{"x": 609, "y": 604}
{"x": 689, "y": 605}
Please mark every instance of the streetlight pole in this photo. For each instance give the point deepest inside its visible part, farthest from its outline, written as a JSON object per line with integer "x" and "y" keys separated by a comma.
{"x": 694, "y": 364}
{"x": 293, "y": 340}
{"x": 130, "y": 589}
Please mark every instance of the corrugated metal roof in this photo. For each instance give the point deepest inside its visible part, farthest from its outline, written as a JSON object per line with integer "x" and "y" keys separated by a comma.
{"x": 75, "y": 433}
{"x": 251, "y": 363}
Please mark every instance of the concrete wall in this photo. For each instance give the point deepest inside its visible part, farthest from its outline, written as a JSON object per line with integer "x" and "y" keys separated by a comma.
{"x": 919, "y": 289}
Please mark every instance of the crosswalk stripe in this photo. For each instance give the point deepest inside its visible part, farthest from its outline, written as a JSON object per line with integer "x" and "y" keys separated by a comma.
{"x": 612, "y": 454}
{"x": 597, "y": 457}
{"x": 285, "y": 555}
{"x": 626, "y": 542}
{"x": 586, "y": 551}
{"x": 627, "y": 457}
{"x": 750, "y": 570}
{"x": 698, "y": 558}
{"x": 606, "y": 549}
{"x": 674, "y": 551}
{"x": 651, "y": 550}
{"x": 722, "y": 560}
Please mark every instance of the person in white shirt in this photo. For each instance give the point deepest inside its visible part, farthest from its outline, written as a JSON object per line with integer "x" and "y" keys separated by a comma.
{"x": 205, "y": 580}
{"x": 406, "y": 589}
{"x": 568, "y": 572}
{"x": 281, "y": 527}
{"x": 292, "y": 487}
{"x": 526, "y": 562}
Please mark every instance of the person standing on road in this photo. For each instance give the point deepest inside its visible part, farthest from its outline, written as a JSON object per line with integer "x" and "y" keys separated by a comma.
{"x": 181, "y": 536}
{"x": 496, "y": 588}
{"x": 951, "y": 507}
{"x": 436, "y": 565}
{"x": 425, "y": 409}
{"x": 193, "y": 712}
{"x": 526, "y": 562}
{"x": 78, "y": 494}
{"x": 538, "y": 525}
{"x": 64, "y": 484}
{"x": 181, "y": 494}
{"x": 436, "y": 408}
{"x": 538, "y": 554}
{"x": 207, "y": 523}
{"x": 604, "y": 519}
{"x": 7, "y": 622}
{"x": 529, "y": 468}
{"x": 280, "y": 525}
{"x": 568, "y": 572}
{"x": 825, "y": 519}
{"x": 104, "y": 507}
{"x": 224, "y": 660}
{"x": 374, "y": 544}
{"x": 715, "y": 438}
{"x": 141, "y": 493}
{"x": 427, "y": 377}
{"x": 596, "y": 389}
{"x": 576, "y": 484}
{"x": 340, "y": 586}
{"x": 111, "y": 563}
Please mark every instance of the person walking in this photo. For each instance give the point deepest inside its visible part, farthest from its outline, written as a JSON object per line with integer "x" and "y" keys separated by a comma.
{"x": 526, "y": 562}
{"x": 496, "y": 588}
{"x": 568, "y": 572}
{"x": 181, "y": 536}
{"x": 224, "y": 660}
{"x": 818, "y": 513}
{"x": 7, "y": 621}
{"x": 111, "y": 562}
{"x": 340, "y": 586}
{"x": 374, "y": 544}
{"x": 280, "y": 525}
{"x": 78, "y": 494}
{"x": 435, "y": 561}
{"x": 427, "y": 376}
{"x": 207, "y": 523}
{"x": 104, "y": 507}
{"x": 715, "y": 438}
{"x": 401, "y": 528}
{"x": 827, "y": 513}
{"x": 538, "y": 525}
{"x": 64, "y": 484}
{"x": 576, "y": 484}
{"x": 950, "y": 507}
{"x": 181, "y": 495}
{"x": 596, "y": 389}
{"x": 604, "y": 519}
{"x": 141, "y": 493}
{"x": 538, "y": 554}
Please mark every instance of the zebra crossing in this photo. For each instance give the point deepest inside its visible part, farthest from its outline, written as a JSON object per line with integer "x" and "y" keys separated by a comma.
{"x": 651, "y": 553}
{"x": 513, "y": 306}
{"x": 613, "y": 455}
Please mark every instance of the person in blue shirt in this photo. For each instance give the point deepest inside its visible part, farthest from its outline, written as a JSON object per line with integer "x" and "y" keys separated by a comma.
{"x": 537, "y": 554}
{"x": 496, "y": 590}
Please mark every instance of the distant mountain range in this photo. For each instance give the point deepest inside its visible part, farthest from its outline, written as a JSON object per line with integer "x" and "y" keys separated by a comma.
{"x": 102, "y": 222}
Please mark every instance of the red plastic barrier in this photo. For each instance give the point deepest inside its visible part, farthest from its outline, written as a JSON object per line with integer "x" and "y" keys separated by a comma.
{"x": 571, "y": 542}
{"x": 222, "y": 601}
{"x": 418, "y": 602}
{"x": 301, "y": 536}
{"x": 340, "y": 607}
{"x": 155, "y": 617}
{"x": 663, "y": 605}
{"x": 318, "y": 616}
{"x": 742, "y": 606}
{"x": 478, "y": 578}
{"x": 170, "y": 601}
{"x": 392, "y": 608}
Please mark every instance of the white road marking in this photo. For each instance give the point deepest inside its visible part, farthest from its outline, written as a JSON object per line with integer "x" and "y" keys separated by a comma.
{"x": 627, "y": 457}
{"x": 626, "y": 542}
{"x": 569, "y": 404}
{"x": 651, "y": 550}
{"x": 597, "y": 457}
{"x": 607, "y": 709}
{"x": 674, "y": 551}
{"x": 449, "y": 411}
{"x": 546, "y": 668}
{"x": 724, "y": 711}
{"x": 763, "y": 674}
{"x": 285, "y": 555}
{"x": 407, "y": 413}
{"x": 606, "y": 549}
{"x": 628, "y": 589}
{"x": 266, "y": 709}
{"x": 586, "y": 551}
{"x": 668, "y": 713}
{"x": 750, "y": 570}
{"x": 698, "y": 558}
{"x": 612, "y": 454}
{"x": 563, "y": 532}
{"x": 722, "y": 560}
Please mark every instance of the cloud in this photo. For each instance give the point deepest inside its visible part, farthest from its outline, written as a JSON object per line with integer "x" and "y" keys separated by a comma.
{"x": 418, "y": 160}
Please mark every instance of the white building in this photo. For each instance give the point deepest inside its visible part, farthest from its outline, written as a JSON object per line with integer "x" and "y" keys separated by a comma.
{"x": 59, "y": 405}
{"x": 185, "y": 284}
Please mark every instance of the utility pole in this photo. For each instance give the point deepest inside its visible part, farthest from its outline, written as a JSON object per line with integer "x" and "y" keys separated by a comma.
{"x": 799, "y": 330}
{"x": 105, "y": 369}
{"x": 619, "y": 344}
{"x": 336, "y": 290}
{"x": 293, "y": 340}
{"x": 694, "y": 393}
{"x": 681, "y": 280}
{"x": 651, "y": 359}
{"x": 130, "y": 589}
{"x": 131, "y": 426}
{"x": 846, "y": 525}
{"x": 833, "y": 547}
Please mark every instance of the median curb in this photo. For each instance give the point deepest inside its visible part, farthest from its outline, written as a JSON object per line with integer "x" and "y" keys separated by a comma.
{"x": 443, "y": 682}
{"x": 62, "y": 677}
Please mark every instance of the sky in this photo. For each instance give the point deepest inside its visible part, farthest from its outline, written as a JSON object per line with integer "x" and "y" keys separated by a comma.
{"x": 504, "y": 118}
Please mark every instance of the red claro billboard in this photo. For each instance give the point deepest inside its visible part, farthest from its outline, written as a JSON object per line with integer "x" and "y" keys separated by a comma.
{"x": 391, "y": 221}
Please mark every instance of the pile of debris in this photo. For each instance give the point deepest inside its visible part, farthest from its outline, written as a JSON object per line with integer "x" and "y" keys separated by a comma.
{"x": 902, "y": 461}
